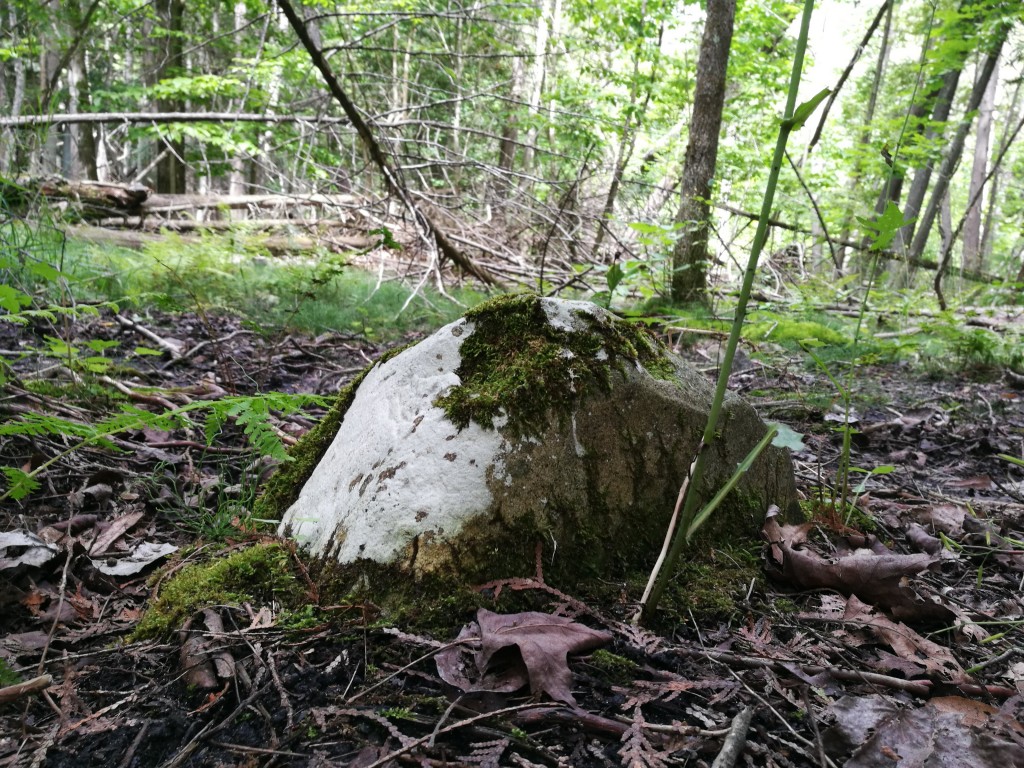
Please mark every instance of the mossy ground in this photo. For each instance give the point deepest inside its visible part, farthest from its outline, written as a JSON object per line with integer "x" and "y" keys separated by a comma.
{"x": 258, "y": 574}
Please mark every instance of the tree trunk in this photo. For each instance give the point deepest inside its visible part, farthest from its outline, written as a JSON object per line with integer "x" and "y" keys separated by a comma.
{"x": 237, "y": 177}
{"x": 47, "y": 160}
{"x": 972, "y": 255}
{"x": 537, "y": 80}
{"x": 923, "y": 175}
{"x": 991, "y": 220}
{"x": 690, "y": 256}
{"x": 83, "y": 136}
{"x": 510, "y": 133}
{"x": 8, "y": 152}
{"x": 170, "y": 170}
{"x": 956, "y": 145}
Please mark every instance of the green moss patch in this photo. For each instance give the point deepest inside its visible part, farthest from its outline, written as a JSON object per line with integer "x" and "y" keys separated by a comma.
{"x": 515, "y": 362}
{"x": 259, "y": 574}
{"x": 784, "y": 330}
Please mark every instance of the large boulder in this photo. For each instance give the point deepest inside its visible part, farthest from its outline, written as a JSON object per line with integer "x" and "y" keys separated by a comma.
{"x": 529, "y": 423}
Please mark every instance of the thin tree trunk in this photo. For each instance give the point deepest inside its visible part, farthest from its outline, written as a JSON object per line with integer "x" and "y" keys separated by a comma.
{"x": 510, "y": 133}
{"x": 83, "y": 137}
{"x": 972, "y": 254}
{"x": 690, "y": 256}
{"x": 8, "y": 150}
{"x": 170, "y": 170}
{"x": 956, "y": 145}
{"x": 923, "y": 175}
{"x": 538, "y": 75}
{"x": 991, "y": 220}
{"x": 47, "y": 161}
{"x": 236, "y": 179}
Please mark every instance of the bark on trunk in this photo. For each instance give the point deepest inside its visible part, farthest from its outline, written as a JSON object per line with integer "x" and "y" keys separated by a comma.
{"x": 690, "y": 256}
{"x": 170, "y": 170}
{"x": 923, "y": 175}
{"x": 972, "y": 226}
{"x": 956, "y": 145}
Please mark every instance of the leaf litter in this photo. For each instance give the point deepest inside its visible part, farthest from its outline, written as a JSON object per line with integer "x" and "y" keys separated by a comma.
{"x": 901, "y": 643}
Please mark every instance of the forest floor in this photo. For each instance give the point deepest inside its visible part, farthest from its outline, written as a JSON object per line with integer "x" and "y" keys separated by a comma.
{"x": 925, "y": 666}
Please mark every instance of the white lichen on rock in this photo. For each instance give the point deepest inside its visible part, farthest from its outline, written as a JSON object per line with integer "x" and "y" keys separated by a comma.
{"x": 397, "y": 468}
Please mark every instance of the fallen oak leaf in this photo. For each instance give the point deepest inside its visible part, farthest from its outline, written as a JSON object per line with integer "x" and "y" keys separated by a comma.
{"x": 520, "y": 648}
{"x": 944, "y": 731}
{"x": 872, "y": 573}
{"x": 907, "y": 643}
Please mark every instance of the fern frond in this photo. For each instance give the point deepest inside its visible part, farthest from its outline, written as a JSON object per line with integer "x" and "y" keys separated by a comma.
{"x": 19, "y": 483}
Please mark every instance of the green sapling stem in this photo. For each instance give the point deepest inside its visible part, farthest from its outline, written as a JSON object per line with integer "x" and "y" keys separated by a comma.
{"x": 792, "y": 118}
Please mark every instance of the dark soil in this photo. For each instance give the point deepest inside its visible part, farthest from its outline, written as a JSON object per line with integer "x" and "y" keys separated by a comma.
{"x": 347, "y": 689}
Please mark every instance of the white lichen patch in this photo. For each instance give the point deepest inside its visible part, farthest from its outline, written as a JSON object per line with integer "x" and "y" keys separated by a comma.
{"x": 564, "y": 314}
{"x": 398, "y": 468}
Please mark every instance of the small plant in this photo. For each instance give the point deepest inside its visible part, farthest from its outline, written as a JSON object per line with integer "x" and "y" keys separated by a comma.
{"x": 253, "y": 412}
{"x": 398, "y": 713}
{"x": 7, "y": 675}
{"x": 687, "y": 517}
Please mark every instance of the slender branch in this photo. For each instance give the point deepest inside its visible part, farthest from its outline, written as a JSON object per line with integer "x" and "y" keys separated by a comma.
{"x": 817, "y": 213}
{"x": 690, "y": 505}
{"x": 76, "y": 43}
{"x": 27, "y": 121}
{"x": 846, "y": 73}
{"x": 391, "y": 176}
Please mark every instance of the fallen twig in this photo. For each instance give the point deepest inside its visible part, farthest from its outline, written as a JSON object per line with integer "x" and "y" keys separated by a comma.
{"x": 35, "y": 685}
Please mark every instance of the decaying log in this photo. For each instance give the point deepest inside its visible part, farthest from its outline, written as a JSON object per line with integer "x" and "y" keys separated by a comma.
{"x": 97, "y": 197}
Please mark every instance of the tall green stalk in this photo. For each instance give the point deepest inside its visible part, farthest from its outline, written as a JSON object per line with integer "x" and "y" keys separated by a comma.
{"x": 793, "y": 118}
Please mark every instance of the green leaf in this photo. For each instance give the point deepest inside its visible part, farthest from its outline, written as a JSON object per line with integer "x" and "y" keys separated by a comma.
{"x": 98, "y": 345}
{"x": 614, "y": 277}
{"x": 19, "y": 483}
{"x": 43, "y": 270}
{"x": 95, "y": 364}
{"x": 1011, "y": 459}
{"x": 147, "y": 351}
{"x": 884, "y": 469}
{"x": 883, "y": 229}
{"x": 787, "y": 437}
{"x": 386, "y": 238}
{"x": 12, "y": 299}
{"x": 805, "y": 110}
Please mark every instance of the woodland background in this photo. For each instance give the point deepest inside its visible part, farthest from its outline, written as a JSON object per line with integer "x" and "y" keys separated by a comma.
{"x": 548, "y": 137}
{"x": 213, "y": 215}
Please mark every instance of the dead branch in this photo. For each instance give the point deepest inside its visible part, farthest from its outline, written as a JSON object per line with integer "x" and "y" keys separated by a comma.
{"x": 966, "y": 274}
{"x": 15, "y": 692}
{"x": 29, "y": 121}
{"x": 391, "y": 178}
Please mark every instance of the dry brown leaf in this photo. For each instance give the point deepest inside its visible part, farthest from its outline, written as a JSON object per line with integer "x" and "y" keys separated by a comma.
{"x": 872, "y": 573}
{"x": 516, "y": 649}
{"x": 949, "y": 732}
{"x": 907, "y": 643}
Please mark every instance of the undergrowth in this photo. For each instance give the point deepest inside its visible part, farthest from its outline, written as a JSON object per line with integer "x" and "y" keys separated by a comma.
{"x": 275, "y": 294}
{"x": 53, "y": 284}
